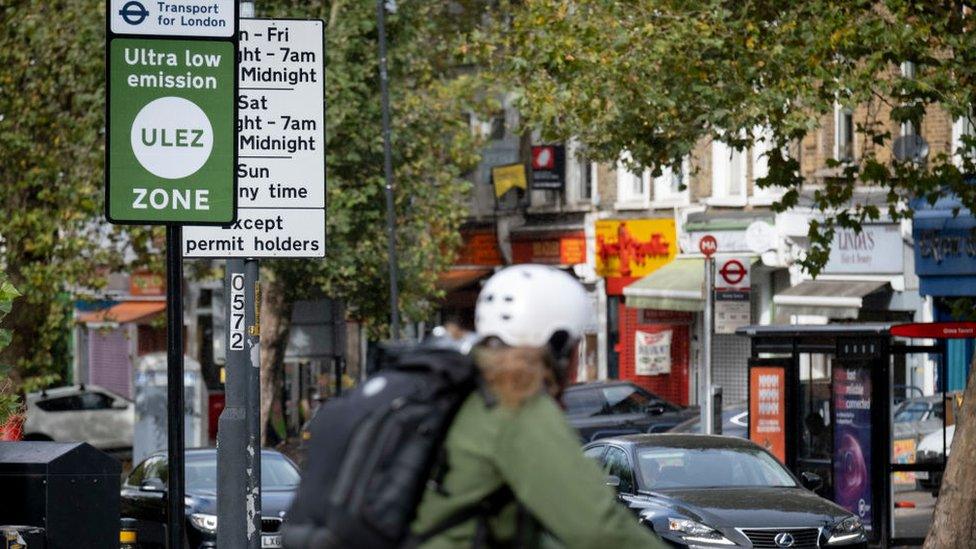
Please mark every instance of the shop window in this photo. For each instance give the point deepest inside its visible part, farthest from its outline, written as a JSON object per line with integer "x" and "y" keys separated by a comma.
{"x": 728, "y": 175}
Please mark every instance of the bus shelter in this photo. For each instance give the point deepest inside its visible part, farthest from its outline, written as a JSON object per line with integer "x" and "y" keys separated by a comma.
{"x": 837, "y": 401}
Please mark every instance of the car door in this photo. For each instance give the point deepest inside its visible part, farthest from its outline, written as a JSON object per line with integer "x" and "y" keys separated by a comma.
{"x": 147, "y": 507}
{"x": 109, "y": 419}
{"x": 617, "y": 463}
{"x": 59, "y": 418}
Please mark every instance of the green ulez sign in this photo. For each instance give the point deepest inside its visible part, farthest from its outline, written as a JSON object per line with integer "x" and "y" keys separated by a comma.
{"x": 171, "y": 131}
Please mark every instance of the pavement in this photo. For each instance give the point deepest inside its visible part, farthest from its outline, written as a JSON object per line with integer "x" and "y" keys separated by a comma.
{"x": 914, "y": 522}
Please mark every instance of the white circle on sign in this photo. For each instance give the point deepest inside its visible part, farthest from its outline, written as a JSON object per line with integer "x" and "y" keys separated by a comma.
{"x": 172, "y": 137}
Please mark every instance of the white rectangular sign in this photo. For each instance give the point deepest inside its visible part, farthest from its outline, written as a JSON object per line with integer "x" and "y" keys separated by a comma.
{"x": 281, "y": 147}
{"x": 878, "y": 249}
{"x": 652, "y": 353}
{"x": 192, "y": 18}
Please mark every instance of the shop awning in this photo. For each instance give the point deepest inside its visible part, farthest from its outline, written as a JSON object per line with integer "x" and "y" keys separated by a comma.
{"x": 121, "y": 313}
{"x": 831, "y": 298}
{"x": 676, "y": 286}
{"x": 455, "y": 279}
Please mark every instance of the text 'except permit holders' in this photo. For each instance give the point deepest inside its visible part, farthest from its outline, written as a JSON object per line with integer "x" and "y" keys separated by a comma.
{"x": 260, "y": 232}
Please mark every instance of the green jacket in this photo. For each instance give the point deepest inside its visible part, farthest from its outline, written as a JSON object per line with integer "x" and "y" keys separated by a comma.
{"x": 536, "y": 453}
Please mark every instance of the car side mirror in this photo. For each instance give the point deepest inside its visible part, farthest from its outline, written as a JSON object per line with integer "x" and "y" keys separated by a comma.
{"x": 654, "y": 409}
{"x": 152, "y": 485}
{"x": 613, "y": 481}
{"x": 811, "y": 481}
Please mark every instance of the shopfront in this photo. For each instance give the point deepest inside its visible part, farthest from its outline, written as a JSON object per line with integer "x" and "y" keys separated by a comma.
{"x": 945, "y": 261}
{"x": 651, "y": 347}
{"x": 477, "y": 259}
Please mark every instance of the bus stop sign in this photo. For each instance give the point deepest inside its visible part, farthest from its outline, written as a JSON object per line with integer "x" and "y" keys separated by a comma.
{"x": 936, "y": 330}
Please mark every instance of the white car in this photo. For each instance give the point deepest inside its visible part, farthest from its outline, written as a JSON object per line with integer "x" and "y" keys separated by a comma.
{"x": 929, "y": 451}
{"x": 80, "y": 413}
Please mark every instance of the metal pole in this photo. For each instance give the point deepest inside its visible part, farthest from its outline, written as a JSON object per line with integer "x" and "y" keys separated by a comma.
{"x": 175, "y": 518}
{"x": 705, "y": 382}
{"x": 388, "y": 171}
{"x": 252, "y": 346}
{"x": 232, "y": 428}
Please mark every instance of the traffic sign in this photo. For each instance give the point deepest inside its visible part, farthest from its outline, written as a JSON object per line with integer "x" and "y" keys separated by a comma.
{"x": 281, "y": 147}
{"x": 183, "y": 18}
{"x": 708, "y": 245}
{"x": 171, "y": 90}
{"x": 732, "y": 272}
{"x": 171, "y": 131}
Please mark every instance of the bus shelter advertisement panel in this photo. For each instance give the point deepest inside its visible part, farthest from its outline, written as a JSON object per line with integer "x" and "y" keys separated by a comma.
{"x": 852, "y": 441}
{"x": 767, "y": 413}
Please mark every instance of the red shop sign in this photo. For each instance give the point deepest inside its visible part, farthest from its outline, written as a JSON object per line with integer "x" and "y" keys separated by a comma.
{"x": 936, "y": 330}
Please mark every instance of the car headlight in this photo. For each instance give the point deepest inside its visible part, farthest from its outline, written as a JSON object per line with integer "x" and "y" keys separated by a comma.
{"x": 696, "y": 532}
{"x": 848, "y": 530}
{"x": 204, "y": 522}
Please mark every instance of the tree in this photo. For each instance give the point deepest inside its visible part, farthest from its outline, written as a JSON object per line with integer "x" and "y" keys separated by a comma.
{"x": 656, "y": 77}
{"x": 51, "y": 135}
{"x": 433, "y": 149}
{"x": 9, "y": 403}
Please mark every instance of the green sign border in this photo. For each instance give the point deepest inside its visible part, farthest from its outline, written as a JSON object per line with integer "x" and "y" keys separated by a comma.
{"x": 110, "y": 37}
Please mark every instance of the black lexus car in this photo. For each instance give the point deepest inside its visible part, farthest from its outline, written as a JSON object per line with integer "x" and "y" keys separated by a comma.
{"x": 717, "y": 491}
{"x": 144, "y": 493}
{"x": 612, "y": 408}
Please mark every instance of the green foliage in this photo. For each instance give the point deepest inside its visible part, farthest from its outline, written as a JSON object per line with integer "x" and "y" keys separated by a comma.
{"x": 433, "y": 148}
{"x": 655, "y": 77}
{"x": 9, "y": 403}
{"x": 51, "y": 102}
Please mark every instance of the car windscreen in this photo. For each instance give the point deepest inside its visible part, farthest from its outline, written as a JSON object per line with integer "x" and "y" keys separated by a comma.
{"x": 735, "y": 423}
{"x": 910, "y": 411}
{"x": 276, "y": 473}
{"x": 663, "y": 468}
{"x": 616, "y": 399}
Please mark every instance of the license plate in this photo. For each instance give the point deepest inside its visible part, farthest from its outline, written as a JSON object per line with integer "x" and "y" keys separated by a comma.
{"x": 271, "y": 540}
{"x": 922, "y": 475}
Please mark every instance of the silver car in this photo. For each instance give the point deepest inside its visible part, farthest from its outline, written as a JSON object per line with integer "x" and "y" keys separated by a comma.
{"x": 80, "y": 413}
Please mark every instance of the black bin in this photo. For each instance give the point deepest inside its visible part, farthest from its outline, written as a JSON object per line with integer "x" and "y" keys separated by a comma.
{"x": 69, "y": 489}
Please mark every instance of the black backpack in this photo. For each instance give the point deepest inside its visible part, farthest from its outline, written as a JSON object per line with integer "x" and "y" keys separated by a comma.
{"x": 373, "y": 450}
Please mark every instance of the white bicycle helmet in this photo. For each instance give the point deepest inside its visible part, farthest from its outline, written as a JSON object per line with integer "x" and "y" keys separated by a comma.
{"x": 527, "y": 305}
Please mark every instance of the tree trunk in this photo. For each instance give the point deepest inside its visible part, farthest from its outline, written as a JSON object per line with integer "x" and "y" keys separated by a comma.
{"x": 275, "y": 323}
{"x": 954, "y": 523}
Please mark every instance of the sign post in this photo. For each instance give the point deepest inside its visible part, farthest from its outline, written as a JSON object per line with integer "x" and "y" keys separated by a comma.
{"x": 170, "y": 155}
{"x": 708, "y": 246}
{"x": 733, "y": 290}
{"x": 281, "y": 199}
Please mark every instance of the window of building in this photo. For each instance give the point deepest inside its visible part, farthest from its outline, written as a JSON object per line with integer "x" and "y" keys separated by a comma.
{"x": 761, "y": 147}
{"x": 668, "y": 189}
{"x": 728, "y": 175}
{"x": 843, "y": 134}
{"x": 633, "y": 189}
{"x": 963, "y": 130}
{"x": 580, "y": 176}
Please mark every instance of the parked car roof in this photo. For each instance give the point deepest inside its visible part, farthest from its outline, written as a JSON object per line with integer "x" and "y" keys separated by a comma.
{"x": 680, "y": 440}
{"x": 70, "y": 390}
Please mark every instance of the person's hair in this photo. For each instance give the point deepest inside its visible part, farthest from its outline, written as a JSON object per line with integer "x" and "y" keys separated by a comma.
{"x": 514, "y": 374}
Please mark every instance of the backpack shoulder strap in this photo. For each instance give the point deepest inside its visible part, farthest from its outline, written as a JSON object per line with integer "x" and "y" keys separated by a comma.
{"x": 487, "y": 507}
